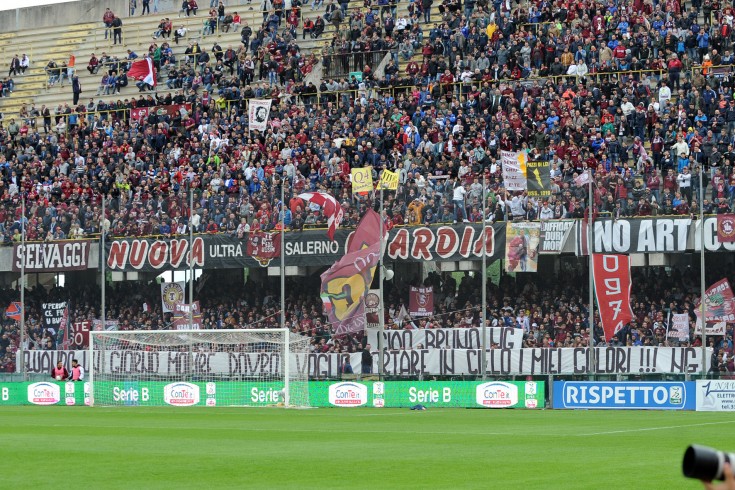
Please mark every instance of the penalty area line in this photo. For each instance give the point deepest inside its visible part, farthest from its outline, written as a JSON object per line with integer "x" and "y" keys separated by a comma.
{"x": 646, "y": 429}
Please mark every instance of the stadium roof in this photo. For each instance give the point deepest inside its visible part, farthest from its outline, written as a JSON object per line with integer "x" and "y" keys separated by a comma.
{"x": 28, "y": 3}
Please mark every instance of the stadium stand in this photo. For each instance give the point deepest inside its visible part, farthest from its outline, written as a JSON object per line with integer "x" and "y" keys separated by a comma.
{"x": 637, "y": 92}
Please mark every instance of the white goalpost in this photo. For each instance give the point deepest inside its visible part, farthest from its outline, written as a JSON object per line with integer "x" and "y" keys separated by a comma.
{"x": 224, "y": 368}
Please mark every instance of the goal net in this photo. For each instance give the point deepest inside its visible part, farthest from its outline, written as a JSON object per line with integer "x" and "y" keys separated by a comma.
{"x": 263, "y": 367}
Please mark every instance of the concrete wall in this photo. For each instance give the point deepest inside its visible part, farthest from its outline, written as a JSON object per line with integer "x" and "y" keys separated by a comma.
{"x": 60, "y": 14}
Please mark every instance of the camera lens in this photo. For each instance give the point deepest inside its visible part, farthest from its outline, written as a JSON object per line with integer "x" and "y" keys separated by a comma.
{"x": 705, "y": 463}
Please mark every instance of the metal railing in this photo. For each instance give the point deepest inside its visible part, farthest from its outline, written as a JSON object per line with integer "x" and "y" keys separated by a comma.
{"x": 343, "y": 64}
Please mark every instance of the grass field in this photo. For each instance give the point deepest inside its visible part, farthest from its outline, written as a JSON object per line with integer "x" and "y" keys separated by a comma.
{"x": 83, "y": 448}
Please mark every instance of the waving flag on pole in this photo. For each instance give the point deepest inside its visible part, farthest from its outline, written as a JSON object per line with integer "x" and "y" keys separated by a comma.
{"x": 143, "y": 70}
{"x": 347, "y": 282}
{"x": 14, "y": 311}
{"x": 331, "y": 208}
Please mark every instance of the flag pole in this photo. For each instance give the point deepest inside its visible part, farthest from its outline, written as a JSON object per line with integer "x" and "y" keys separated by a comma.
{"x": 483, "y": 276}
{"x": 702, "y": 286}
{"x": 381, "y": 311}
{"x": 103, "y": 265}
{"x": 191, "y": 257}
{"x": 283, "y": 252}
{"x": 590, "y": 244}
{"x": 22, "y": 282}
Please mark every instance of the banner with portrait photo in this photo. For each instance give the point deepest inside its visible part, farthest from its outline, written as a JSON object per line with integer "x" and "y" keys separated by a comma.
{"x": 521, "y": 247}
{"x": 258, "y": 112}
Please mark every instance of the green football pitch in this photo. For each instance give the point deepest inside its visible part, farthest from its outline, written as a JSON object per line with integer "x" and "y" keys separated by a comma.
{"x": 131, "y": 448}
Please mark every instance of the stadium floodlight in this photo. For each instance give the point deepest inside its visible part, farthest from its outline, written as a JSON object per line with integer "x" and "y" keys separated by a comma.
{"x": 244, "y": 367}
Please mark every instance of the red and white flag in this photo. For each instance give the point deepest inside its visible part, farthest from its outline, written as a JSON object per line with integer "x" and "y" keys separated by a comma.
{"x": 583, "y": 178}
{"x": 330, "y": 207}
{"x": 612, "y": 288}
{"x": 143, "y": 70}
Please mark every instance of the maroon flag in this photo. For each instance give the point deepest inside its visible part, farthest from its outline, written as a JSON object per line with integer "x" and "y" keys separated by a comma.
{"x": 421, "y": 301}
{"x": 612, "y": 288}
{"x": 726, "y": 228}
{"x": 331, "y": 208}
{"x": 367, "y": 232}
{"x": 79, "y": 338}
{"x": 264, "y": 247}
{"x": 346, "y": 283}
{"x": 181, "y": 317}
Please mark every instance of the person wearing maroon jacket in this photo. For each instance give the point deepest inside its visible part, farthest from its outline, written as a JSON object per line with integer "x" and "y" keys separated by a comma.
{"x": 59, "y": 373}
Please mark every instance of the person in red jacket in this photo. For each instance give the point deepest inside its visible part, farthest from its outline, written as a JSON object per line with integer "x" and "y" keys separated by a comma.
{"x": 59, "y": 373}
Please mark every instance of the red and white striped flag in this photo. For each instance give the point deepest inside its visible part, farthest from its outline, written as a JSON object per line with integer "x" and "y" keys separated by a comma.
{"x": 583, "y": 178}
{"x": 331, "y": 208}
{"x": 143, "y": 70}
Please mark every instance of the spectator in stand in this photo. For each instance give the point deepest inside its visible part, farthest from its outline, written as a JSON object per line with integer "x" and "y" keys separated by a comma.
{"x": 107, "y": 19}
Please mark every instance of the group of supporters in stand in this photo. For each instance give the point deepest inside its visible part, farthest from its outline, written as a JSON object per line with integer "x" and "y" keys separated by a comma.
{"x": 551, "y": 310}
{"x": 640, "y": 93}
{"x": 644, "y": 133}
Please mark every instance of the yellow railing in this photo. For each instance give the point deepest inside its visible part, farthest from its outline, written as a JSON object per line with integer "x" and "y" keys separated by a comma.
{"x": 393, "y": 90}
{"x": 194, "y": 26}
{"x": 714, "y": 69}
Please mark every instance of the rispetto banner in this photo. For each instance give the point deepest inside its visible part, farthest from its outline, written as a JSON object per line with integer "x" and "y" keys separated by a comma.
{"x": 345, "y": 394}
{"x": 404, "y": 362}
{"x": 638, "y": 395}
{"x": 714, "y": 395}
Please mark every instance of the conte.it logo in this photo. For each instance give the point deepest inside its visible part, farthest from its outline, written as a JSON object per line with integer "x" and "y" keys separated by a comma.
{"x": 44, "y": 393}
{"x": 181, "y": 394}
{"x": 496, "y": 394}
{"x": 348, "y": 394}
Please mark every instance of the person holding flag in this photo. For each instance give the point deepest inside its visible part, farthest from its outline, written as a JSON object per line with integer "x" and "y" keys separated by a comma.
{"x": 145, "y": 72}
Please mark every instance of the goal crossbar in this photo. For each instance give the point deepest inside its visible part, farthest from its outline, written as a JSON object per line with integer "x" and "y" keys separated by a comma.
{"x": 270, "y": 363}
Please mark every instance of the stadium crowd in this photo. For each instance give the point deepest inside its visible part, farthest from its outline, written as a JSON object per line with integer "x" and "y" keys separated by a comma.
{"x": 551, "y": 310}
{"x": 639, "y": 92}
{"x": 490, "y": 79}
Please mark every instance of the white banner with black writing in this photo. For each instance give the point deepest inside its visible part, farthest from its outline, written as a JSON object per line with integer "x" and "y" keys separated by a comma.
{"x": 447, "y": 338}
{"x": 412, "y": 362}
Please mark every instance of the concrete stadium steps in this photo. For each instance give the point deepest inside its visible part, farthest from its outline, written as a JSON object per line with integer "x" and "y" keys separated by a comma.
{"x": 87, "y": 38}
